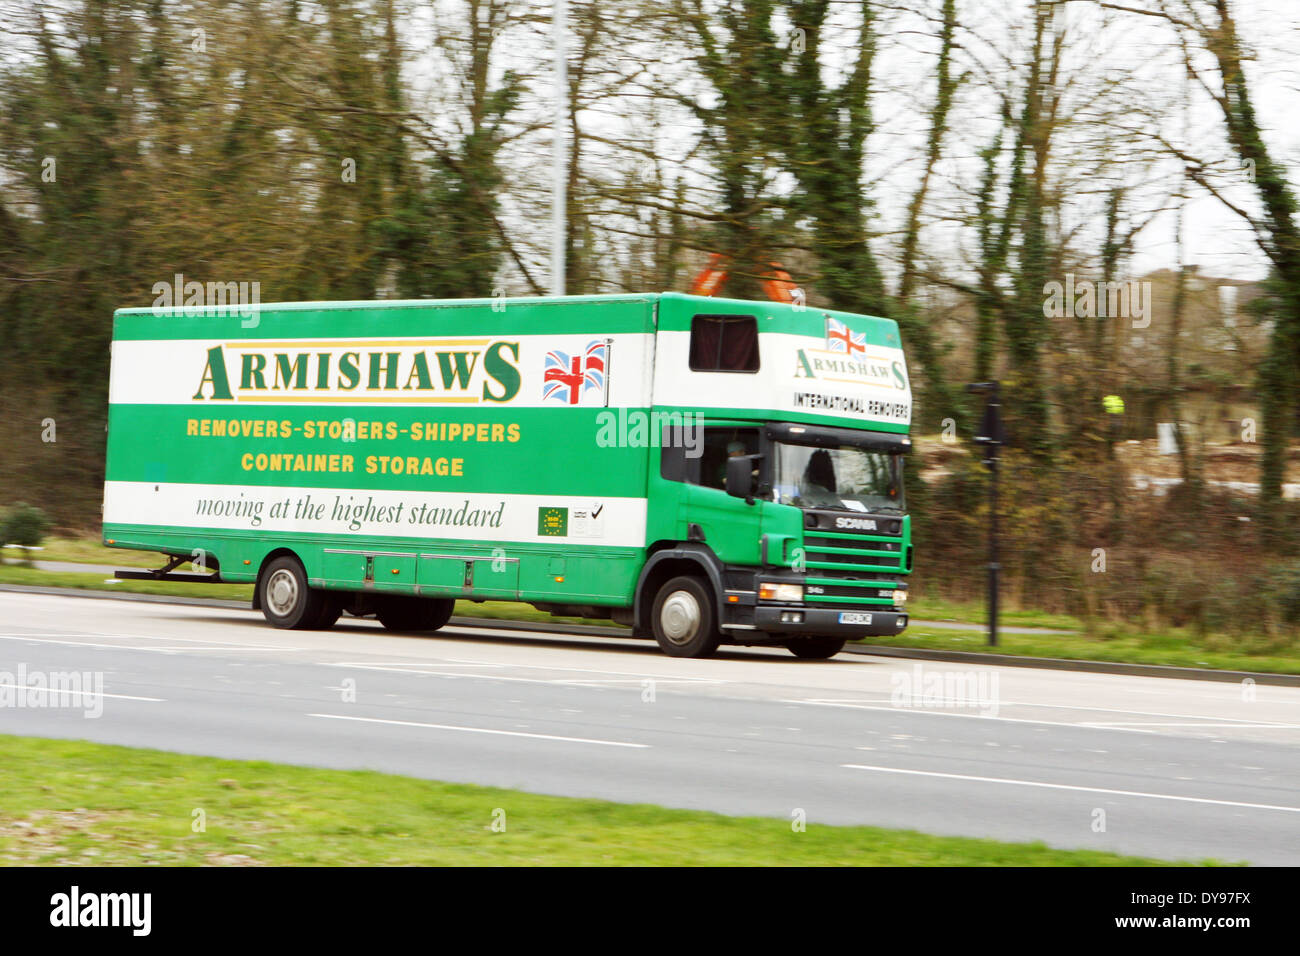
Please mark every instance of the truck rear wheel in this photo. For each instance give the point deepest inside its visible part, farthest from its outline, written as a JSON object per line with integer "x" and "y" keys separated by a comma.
{"x": 287, "y": 600}
{"x": 330, "y": 610}
{"x": 684, "y": 620}
{"x": 399, "y": 612}
{"x": 816, "y": 648}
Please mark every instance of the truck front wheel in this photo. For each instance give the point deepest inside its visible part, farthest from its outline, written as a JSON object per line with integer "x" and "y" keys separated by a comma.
{"x": 286, "y": 599}
{"x": 684, "y": 621}
{"x": 816, "y": 648}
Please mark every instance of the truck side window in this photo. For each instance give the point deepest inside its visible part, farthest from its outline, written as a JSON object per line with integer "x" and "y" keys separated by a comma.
{"x": 673, "y": 463}
{"x": 724, "y": 343}
{"x": 719, "y": 445}
{"x": 679, "y": 456}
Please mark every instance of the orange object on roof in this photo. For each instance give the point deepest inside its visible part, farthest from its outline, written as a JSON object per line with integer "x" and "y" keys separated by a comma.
{"x": 779, "y": 286}
{"x": 711, "y": 277}
{"x": 776, "y": 282}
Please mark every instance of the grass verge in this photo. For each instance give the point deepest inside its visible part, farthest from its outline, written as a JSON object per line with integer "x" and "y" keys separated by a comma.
{"x": 70, "y": 802}
{"x": 87, "y": 550}
{"x": 1176, "y": 649}
{"x": 13, "y": 574}
{"x": 933, "y": 608}
{"x": 488, "y": 610}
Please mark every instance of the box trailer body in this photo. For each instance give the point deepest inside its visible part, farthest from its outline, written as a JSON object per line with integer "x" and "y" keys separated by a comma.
{"x": 577, "y": 453}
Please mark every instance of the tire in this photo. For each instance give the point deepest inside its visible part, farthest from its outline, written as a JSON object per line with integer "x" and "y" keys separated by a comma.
{"x": 816, "y": 648}
{"x": 330, "y": 611}
{"x": 399, "y": 612}
{"x": 684, "y": 620}
{"x": 286, "y": 598}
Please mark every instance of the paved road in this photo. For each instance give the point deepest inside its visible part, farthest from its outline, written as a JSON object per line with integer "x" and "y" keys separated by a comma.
{"x": 1181, "y": 769}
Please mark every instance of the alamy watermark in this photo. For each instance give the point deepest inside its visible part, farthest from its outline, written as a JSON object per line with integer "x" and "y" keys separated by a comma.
{"x": 636, "y": 428}
{"x": 217, "y": 299}
{"x": 1088, "y": 299}
{"x": 930, "y": 688}
{"x": 131, "y": 911}
{"x": 48, "y": 690}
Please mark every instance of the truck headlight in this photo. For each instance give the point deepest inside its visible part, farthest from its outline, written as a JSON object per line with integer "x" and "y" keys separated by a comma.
{"x": 900, "y": 597}
{"x": 780, "y": 592}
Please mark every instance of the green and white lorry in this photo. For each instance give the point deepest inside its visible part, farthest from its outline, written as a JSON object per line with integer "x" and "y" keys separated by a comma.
{"x": 704, "y": 470}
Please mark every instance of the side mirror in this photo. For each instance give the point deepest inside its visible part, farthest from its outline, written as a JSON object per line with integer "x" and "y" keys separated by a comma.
{"x": 740, "y": 477}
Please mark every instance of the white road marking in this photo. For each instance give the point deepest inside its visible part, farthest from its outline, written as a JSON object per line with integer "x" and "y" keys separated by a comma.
{"x": 393, "y": 665}
{"x": 36, "y": 635}
{"x": 1223, "y": 722}
{"x": 80, "y": 693}
{"x": 1023, "y": 703}
{"x": 552, "y": 681}
{"x": 213, "y": 646}
{"x": 957, "y": 713}
{"x": 1130, "y": 726}
{"x": 629, "y": 680}
{"x": 592, "y": 670}
{"x": 1063, "y": 786}
{"x": 484, "y": 730}
{"x": 463, "y": 676}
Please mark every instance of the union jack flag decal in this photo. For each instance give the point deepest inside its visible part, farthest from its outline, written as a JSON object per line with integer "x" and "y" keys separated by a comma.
{"x": 841, "y": 338}
{"x": 569, "y": 379}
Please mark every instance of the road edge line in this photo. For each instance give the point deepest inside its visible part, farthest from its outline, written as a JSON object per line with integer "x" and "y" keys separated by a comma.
{"x": 1172, "y": 671}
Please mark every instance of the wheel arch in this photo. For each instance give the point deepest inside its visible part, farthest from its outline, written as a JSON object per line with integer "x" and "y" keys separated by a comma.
{"x": 261, "y": 570}
{"x": 669, "y": 562}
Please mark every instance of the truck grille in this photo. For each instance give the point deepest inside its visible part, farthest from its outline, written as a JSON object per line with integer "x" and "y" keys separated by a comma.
{"x": 852, "y": 569}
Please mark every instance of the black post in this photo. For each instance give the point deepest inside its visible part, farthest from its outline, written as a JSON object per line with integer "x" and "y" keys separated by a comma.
{"x": 994, "y": 567}
{"x": 990, "y": 436}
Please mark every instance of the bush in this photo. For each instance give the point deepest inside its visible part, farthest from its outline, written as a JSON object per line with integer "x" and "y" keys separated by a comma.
{"x": 1285, "y": 590}
{"x": 24, "y": 524}
{"x": 1180, "y": 560}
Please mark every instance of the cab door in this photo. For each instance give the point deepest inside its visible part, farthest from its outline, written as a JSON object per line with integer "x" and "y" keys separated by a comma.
{"x": 729, "y": 526}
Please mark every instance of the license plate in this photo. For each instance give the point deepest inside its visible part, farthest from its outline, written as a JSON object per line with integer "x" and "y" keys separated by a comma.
{"x": 854, "y": 617}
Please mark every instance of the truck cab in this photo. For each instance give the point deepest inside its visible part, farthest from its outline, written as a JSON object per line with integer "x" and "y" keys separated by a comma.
{"x": 790, "y": 498}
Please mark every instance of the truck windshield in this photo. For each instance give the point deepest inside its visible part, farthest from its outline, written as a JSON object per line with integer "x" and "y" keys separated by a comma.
{"x": 844, "y": 478}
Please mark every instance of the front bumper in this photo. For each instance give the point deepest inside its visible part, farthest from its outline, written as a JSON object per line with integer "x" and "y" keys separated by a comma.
{"x": 826, "y": 621}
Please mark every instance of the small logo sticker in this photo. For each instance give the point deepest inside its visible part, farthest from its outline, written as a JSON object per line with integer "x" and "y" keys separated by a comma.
{"x": 589, "y": 522}
{"x": 553, "y": 522}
